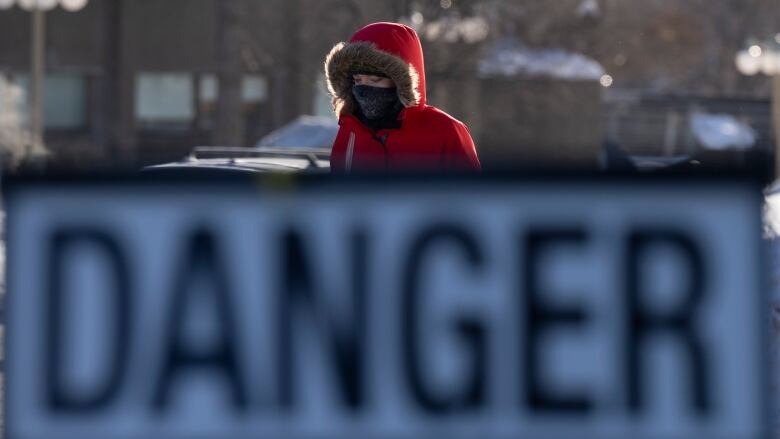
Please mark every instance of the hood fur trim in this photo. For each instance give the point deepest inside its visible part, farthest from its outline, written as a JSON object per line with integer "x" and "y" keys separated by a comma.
{"x": 344, "y": 55}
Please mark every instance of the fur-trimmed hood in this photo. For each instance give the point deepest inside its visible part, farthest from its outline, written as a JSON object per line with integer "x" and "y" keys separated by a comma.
{"x": 392, "y": 48}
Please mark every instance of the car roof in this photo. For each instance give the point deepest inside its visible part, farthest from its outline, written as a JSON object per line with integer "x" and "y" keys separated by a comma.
{"x": 247, "y": 160}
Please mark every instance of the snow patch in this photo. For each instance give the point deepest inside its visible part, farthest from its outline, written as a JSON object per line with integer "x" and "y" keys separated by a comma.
{"x": 512, "y": 59}
{"x": 451, "y": 29}
{"x": 589, "y": 8}
{"x": 722, "y": 131}
{"x": 303, "y": 132}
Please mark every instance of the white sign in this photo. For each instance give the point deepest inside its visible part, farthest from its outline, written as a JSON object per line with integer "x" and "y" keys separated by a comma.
{"x": 576, "y": 309}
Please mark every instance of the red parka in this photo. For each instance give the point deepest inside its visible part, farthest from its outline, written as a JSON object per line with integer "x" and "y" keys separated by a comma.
{"x": 428, "y": 139}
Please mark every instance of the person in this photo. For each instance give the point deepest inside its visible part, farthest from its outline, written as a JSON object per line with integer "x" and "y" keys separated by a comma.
{"x": 377, "y": 81}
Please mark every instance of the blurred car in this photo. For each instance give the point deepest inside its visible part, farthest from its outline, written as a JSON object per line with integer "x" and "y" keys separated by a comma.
{"x": 305, "y": 132}
{"x": 227, "y": 160}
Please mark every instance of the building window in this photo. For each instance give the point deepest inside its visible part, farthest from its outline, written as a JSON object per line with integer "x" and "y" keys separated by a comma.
{"x": 64, "y": 103}
{"x": 208, "y": 91}
{"x": 254, "y": 89}
{"x": 164, "y": 99}
{"x": 209, "y": 88}
{"x": 254, "y": 92}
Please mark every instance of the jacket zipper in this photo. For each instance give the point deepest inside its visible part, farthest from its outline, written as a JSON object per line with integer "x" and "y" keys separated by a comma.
{"x": 350, "y": 152}
{"x": 383, "y": 141}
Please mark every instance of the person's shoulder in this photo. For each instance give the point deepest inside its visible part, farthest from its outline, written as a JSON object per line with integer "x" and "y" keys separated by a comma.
{"x": 439, "y": 116}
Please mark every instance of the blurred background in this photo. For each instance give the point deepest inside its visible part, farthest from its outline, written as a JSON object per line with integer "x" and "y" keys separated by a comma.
{"x": 127, "y": 83}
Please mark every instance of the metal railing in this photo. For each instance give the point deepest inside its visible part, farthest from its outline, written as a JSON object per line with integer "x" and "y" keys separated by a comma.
{"x": 314, "y": 156}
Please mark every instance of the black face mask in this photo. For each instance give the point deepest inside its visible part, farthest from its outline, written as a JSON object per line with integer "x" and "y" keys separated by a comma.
{"x": 375, "y": 102}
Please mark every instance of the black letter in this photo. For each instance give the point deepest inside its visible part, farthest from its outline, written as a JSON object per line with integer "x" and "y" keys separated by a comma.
{"x": 202, "y": 257}
{"x": 540, "y": 317}
{"x": 348, "y": 345}
{"x": 61, "y": 240}
{"x": 470, "y": 330}
{"x": 642, "y": 324}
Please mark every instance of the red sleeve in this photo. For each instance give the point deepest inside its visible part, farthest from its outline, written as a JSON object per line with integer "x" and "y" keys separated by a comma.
{"x": 338, "y": 152}
{"x": 460, "y": 152}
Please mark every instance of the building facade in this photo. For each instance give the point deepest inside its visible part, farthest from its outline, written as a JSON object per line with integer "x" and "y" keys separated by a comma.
{"x": 130, "y": 82}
